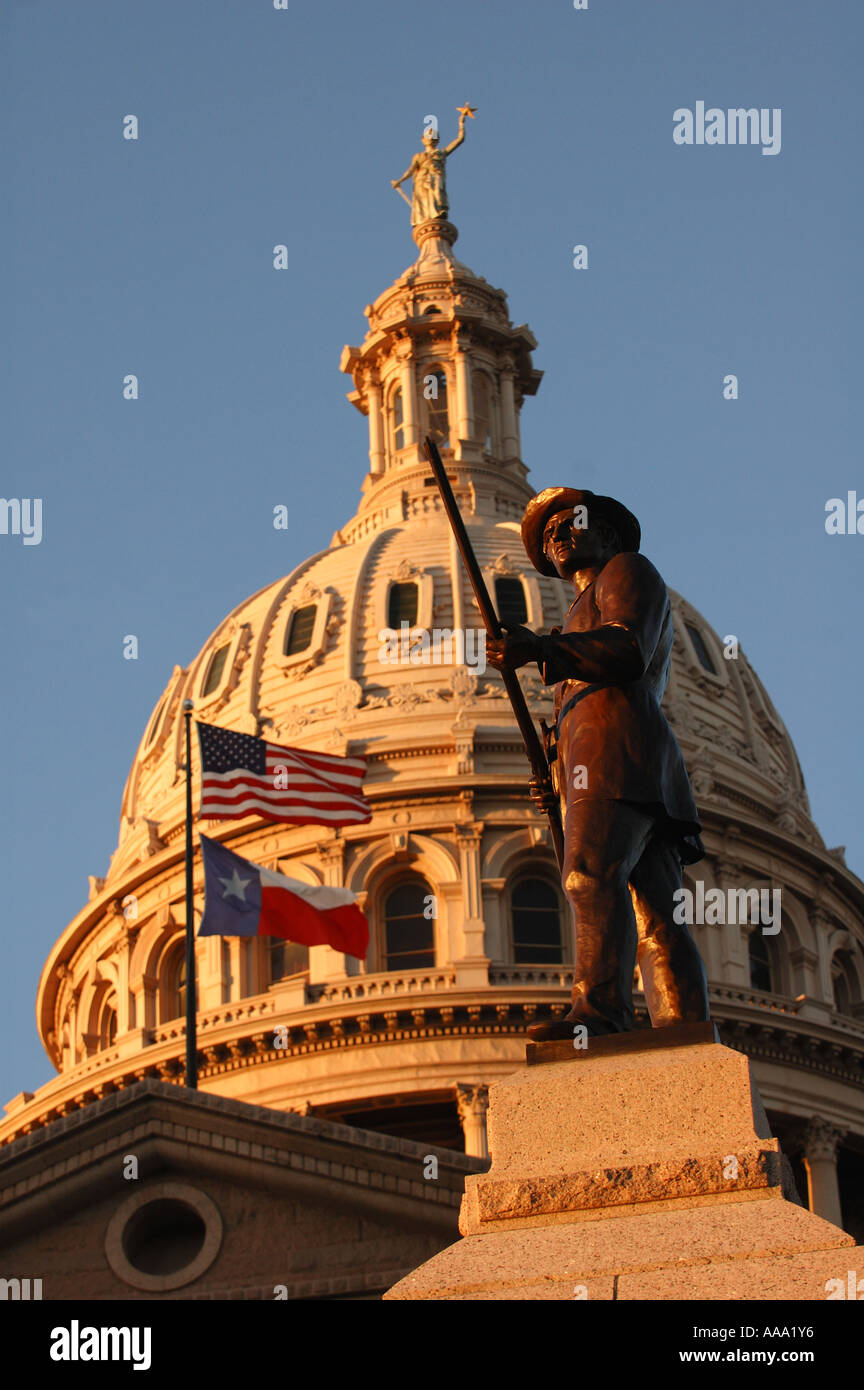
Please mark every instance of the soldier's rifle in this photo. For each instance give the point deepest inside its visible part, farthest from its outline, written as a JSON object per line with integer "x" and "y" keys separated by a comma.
{"x": 531, "y": 739}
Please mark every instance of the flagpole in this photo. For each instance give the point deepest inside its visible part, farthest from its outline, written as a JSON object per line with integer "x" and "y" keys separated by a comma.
{"x": 191, "y": 993}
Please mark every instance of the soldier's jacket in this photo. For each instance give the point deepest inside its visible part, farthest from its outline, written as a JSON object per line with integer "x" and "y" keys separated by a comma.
{"x": 610, "y": 663}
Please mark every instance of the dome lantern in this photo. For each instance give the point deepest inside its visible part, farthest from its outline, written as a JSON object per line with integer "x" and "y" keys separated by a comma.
{"x": 441, "y": 357}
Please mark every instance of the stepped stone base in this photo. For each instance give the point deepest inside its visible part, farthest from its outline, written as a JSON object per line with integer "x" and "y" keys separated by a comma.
{"x": 640, "y": 1167}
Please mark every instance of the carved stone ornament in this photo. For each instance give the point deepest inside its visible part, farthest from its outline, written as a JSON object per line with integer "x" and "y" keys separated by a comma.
{"x": 294, "y": 721}
{"x": 471, "y": 1100}
{"x": 535, "y": 691}
{"x": 297, "y": 672}
{"x": 462, "y": 730}
{"x": 463, "y": 685}
{"x": 399, "y": 844}
{"x": 404, "y": 571}
{"x": 405, "y": 699}
{"x": 505, "y": 565}
{"x": 678, "y": 714}
{"x": 821, "y": 1139}
{"x": 347, "y": 699}
{"x": 786, "y": 818}
{"x": 154, "y": 839}
{"x": 702, "y": 777}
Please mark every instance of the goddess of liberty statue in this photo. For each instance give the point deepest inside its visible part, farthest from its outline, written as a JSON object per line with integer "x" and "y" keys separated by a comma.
{"x": 427, "y": 172}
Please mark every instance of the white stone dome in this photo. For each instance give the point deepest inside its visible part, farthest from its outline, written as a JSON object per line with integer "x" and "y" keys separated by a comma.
{"x": 337, "y": 695}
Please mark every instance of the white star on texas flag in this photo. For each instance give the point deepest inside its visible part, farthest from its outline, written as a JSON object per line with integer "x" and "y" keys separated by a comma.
{"x": 235, "y": 886}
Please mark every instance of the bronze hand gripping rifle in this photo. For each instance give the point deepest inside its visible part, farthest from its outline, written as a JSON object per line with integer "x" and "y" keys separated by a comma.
{"x": 530, "y": 738}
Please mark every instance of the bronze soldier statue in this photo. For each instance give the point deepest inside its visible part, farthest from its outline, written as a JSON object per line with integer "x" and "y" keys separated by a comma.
{"x": 630, "y": 821}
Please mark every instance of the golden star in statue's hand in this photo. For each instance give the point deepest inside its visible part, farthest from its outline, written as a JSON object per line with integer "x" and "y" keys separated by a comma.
{"x": 466, "y": 110}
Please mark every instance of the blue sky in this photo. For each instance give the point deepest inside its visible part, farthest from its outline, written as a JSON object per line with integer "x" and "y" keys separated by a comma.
{"x": 260, "y": 127}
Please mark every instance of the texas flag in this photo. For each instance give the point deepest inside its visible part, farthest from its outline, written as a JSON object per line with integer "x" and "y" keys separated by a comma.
{"x": 244, "y": 899}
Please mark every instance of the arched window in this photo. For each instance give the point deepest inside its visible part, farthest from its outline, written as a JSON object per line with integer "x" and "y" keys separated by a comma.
{"x": 108, "y": 1021}
{"x": 227, "y": 972}
{"x": 761, "y": 975}
{"x": 409, "y": 933}
{"x": 846, "y": 988}
{"x": 535, "y": 909}
{"x": 154, "y": 722}
{"x": 842, "y": 994}
{"x": 298, "y": 633}
{"x": 435, "y": 396}
{"x": 402, "y": 605}
{"x": 701, "y": 650}
{"x": 172, "y": 989}
{"x": 180, "y": 988}
{"x": 213, "y": 678}
{"x": 398, "y": 420}
{"x": 285, "y": 959}
{"x": 482, "y": 410}
{"x": 510, "y": 601}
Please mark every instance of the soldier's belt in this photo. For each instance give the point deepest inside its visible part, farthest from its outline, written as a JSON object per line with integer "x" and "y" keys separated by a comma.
{"x": 574, "y": 700}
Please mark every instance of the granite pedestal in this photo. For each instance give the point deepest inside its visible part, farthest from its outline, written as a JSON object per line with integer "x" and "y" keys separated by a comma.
{"x": 639, "y": 1167}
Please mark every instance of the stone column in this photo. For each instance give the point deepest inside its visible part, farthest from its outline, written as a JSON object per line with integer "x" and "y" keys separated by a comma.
{"x": 456, "y": 572}
{"x": 405, "y": 356}
{"x": 823, "y": 926}
{"x": 70, "y": 1051}
{"x": 126, "y": 945}
{"x": 734, "y": 940}
{"x": 326, "y": 963}
{"x": 820, "y": 1160}
{"x": 146, "y": 992}
{"x": 509, "y": 428}
{"x": 208, "y": 971}
{"x": 469, "y": 953}
{"x": 805, "y": 967}
{"x": 76, "y": 1036}
{"x": 464, "y": 406}
{"x": 473, "y": 1102}
{"x": 376, "y": 429}
{"x": 238, "y": 966}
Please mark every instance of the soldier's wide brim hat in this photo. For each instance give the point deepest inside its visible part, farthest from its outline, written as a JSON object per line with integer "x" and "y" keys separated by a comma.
{"x": 561, "y": 499}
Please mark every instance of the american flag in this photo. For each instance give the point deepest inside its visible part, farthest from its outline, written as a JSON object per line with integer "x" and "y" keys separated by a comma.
{"x": 244, "y": 776}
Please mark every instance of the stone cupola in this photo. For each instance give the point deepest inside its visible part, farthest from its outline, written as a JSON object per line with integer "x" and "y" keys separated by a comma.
{"x": 442, "y": 358}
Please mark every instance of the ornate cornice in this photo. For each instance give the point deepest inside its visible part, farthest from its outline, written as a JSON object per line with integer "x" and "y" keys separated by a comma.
{"x": 778, "y": 1038}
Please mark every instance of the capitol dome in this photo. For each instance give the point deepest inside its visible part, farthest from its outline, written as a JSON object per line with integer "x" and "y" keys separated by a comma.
{"x": 471, "y": 937}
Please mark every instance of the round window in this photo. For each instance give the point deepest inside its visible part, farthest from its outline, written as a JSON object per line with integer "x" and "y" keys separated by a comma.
{"x": 163, "y": 1237}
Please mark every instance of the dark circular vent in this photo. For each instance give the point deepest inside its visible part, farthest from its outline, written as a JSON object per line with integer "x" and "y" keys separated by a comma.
{"x": 163, "y": 1237}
